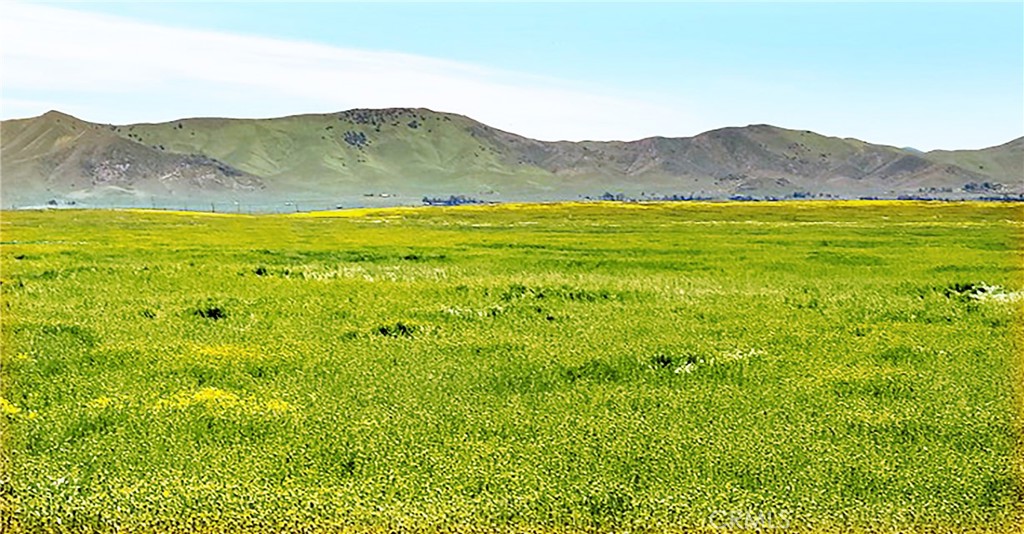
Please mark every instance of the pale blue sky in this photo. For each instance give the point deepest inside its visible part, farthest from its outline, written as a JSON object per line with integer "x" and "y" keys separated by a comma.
{"x": 928, "y": 75}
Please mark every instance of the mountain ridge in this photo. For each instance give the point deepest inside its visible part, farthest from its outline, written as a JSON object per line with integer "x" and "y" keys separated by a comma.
{"x": 399, "y": 155}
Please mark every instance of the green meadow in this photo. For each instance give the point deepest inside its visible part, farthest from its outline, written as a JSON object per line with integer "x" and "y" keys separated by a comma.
{"x": 825, "y": 367}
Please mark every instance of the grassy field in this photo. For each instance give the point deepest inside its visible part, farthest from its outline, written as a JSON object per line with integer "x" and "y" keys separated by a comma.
{"x": 559, "y": 368}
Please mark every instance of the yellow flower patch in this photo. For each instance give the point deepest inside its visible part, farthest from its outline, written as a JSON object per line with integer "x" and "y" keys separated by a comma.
{"x": 100, "y": 403}
{"x": 7, "y": 408}
{"x": 208, "y": 397}
{"x": 219, "y": 400}
{"x": 278, "y": 406}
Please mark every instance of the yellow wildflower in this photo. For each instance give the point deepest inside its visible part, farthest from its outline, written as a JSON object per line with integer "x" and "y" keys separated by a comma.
{"x": 213, "y": 396}
{"x": 7, "y": 408}
{"x": 100, "y": 403}
{"x": 209, "y": 397}
{"x": 226, "y": 352}
{"x": 278, "y": 406}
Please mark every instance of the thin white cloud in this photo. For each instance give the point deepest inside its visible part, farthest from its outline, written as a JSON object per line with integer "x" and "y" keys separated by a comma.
{"x": 124, "y": 70}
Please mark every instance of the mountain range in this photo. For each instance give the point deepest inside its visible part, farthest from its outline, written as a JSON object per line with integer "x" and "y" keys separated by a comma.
{"x": 405, "y": 156}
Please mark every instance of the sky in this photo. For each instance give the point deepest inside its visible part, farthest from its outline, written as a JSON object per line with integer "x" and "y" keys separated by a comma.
{"x": 923, "y": 74}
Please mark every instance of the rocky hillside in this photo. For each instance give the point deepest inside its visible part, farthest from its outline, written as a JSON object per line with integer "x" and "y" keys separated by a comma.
{"x": 399, "y": 156}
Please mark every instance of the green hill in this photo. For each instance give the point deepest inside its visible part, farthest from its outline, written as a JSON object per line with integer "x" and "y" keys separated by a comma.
{"x": 407, "y": 151}
{"x": 400, "y": 155}
{"x": 1005, "y": 160}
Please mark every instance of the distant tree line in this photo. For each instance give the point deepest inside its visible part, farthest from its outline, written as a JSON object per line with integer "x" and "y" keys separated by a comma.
{"x": 454, "y": 200}
{"x": 984, "y": 187}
